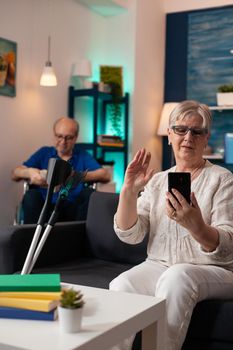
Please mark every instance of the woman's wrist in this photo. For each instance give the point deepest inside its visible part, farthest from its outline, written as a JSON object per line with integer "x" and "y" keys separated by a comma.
{"x": 208, "y": 237}
{"x": 128, "y": 193}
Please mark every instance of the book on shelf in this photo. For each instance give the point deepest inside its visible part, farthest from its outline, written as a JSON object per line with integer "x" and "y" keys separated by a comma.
{"x": 30, "y": 282}
{"x": 109, "y": 138}
{"x": 24, "y": 314}
{"x": 30, "y": 304}
{"x": 111, "y": 144}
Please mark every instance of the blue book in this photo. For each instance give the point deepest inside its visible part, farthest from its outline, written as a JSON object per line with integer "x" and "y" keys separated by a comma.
{"x": 24, "y": 314}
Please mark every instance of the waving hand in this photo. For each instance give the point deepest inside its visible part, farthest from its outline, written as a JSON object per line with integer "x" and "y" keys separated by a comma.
{"x": 138, "y": 173}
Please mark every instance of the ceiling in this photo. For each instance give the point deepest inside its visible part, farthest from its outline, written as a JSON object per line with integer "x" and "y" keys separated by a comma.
{"x": 106, "y": 7}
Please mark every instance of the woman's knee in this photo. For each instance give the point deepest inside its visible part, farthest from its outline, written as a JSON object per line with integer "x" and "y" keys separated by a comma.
{"x": 120, "y": 283}
{"x": 130, "y": 281}
{"x": 177, "y": 279}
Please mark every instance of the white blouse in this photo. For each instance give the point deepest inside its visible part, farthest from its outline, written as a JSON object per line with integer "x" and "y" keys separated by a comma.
{"x": 170, "y": 243}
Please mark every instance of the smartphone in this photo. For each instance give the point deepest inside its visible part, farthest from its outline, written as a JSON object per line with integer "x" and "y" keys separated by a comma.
{"x": 181, "y": 182}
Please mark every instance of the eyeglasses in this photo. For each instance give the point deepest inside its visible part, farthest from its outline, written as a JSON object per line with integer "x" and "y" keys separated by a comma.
{"x": 65, "y": 138}
{"x": 183, "y": 130}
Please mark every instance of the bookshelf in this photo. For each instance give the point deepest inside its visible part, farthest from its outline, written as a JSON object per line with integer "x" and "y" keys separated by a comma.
{"x": 222, "y": 123}
{"x": 100, "y": 102}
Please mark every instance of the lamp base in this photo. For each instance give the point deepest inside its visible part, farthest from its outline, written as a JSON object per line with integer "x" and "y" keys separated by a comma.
{"x": 168, "y": 159}
{"x": 87, "y": 84}
{"x": 84, "y": 83}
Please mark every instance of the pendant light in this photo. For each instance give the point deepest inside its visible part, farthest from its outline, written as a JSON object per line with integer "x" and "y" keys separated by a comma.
{"x": 48, "y": 77}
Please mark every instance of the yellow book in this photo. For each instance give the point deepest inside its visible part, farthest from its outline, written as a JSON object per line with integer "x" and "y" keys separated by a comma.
{"x": 31, "y": 295}
{"x": 29, "y": 304}
{"x": 111, "y": 144}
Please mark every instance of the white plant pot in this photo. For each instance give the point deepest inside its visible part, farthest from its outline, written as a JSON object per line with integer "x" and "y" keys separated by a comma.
{"x": 225, "y": 98}
{"x": 70, "y": 320}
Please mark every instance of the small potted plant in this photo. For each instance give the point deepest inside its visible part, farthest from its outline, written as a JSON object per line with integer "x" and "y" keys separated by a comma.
{"x": 225, "y": 95}
{"x": 70, "y": 310}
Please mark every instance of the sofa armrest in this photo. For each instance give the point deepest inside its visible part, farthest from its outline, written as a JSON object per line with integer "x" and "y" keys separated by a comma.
{"x": 65, "y": 242}
{"x": 102, "y": 240}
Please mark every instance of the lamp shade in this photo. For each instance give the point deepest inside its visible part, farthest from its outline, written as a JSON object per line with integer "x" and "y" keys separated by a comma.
{"x": 164, "y": 119}
{"x": 48, "y": 77}
{"x": 83, "y": 68}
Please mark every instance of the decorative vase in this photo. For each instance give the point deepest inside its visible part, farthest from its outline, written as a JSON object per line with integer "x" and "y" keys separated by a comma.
{"x": 70, "y": 320}
{"x": 225, "y": 98}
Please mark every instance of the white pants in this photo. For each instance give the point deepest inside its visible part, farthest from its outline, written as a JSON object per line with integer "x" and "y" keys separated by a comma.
{"x": 182, "y": 285}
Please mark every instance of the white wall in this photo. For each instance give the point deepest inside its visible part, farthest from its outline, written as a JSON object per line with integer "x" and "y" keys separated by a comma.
{"x": 177, "y": 5}
{"x": 149, "y": 77}
{"x": 26, "y": 119}
{"x": 76, "y": 33}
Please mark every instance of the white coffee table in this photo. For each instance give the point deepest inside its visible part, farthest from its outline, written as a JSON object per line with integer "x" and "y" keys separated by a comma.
{"x": 109, "y": 317}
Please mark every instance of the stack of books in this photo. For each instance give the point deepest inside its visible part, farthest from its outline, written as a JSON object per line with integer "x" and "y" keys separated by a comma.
{"x": 110, "y": 140}
{"x": 32, "y": 297}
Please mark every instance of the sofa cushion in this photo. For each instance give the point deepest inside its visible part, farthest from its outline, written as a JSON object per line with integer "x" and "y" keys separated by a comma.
{"x": 103, "y": 242}
{"x": 201, "y": 344}
{"x": 88, "y": 272}
{"x": 65, "y": 242}
{"x": 208, "y": 327}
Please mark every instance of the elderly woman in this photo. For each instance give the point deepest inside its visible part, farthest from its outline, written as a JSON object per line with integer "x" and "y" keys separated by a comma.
{"x": 190, "y": 243}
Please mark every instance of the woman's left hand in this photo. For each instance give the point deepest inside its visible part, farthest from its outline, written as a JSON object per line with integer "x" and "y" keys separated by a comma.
{"x": 187, "y": 215}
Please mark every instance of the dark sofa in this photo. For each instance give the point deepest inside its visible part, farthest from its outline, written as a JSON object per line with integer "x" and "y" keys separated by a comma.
{"x": 89, "y": 253}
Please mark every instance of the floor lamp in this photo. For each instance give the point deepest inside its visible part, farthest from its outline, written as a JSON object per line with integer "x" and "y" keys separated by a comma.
{"x": 168, "y": 156}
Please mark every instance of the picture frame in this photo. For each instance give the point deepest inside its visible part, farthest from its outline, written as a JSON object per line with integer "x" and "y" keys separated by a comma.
{"x": 8, "y": 60}
{"x": 112, "y": 76}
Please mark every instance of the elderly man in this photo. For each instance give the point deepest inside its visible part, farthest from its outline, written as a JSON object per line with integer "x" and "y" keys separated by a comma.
{"x": 34, "y": 169}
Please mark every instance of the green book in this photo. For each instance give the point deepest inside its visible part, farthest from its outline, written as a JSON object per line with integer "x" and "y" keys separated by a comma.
{"x": 34, "y": 282}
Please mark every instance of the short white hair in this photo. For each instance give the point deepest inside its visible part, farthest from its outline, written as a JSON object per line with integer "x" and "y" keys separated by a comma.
{"x": 189, "y": 108}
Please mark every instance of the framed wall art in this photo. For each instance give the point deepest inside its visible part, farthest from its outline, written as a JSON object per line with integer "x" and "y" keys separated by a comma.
{"x": 8, "y": 56}
{"x": 112, "y": 75}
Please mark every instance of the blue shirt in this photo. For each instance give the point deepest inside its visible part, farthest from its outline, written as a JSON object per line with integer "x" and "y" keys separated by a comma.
{"x": 80, "y": 161}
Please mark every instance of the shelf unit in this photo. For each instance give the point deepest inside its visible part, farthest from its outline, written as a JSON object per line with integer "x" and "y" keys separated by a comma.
{"x": 99, "y": 116}
{"x": 213, "y": 156}
{"x": 222, "y": 123}
{"x": 221, "y": 108}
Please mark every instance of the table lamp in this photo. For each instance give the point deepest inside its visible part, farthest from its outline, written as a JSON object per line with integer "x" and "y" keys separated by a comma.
{"x": 164, "y": 119}
{"x": 83, "y": 70}
{"x": 162, "y": 131}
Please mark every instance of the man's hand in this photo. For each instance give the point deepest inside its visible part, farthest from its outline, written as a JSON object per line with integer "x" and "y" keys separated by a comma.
{"x": 37, "y": 177}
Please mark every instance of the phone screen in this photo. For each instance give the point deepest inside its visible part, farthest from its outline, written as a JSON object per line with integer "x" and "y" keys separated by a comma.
{"x": 181, "y": 182}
